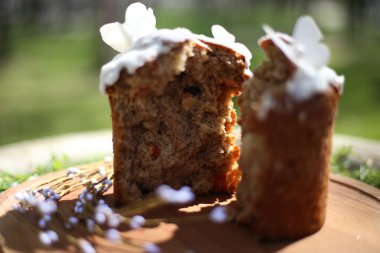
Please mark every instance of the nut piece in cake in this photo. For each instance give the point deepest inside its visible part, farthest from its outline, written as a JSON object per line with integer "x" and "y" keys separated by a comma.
{"x": 288, "y": 112}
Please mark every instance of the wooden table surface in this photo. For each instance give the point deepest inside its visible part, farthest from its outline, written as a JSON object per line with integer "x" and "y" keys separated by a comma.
{"x": 352, "y": 225}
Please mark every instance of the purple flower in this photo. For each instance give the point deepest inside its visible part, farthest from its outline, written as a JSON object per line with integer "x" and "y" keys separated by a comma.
{"x": 47, "y": 207}
{"x": 100, "y": 218}
{"x": 48, "y": 237}
{"x": 89, "y": 196}
{"x": 85, "y": 246}
{"x": 45, "y": 192}
{"x": 78, "y": 209}
{"x": 44, "y": 238}
{"x": 82, "y": 195}
{"x": 44, "y": 220}
{"x": 53, "y": 235}
{"x": 42, "y": 223}
{"x": 136, "y": 221}
{"x": 218, "y": 214}
{"x": 107, "y": 182}
{"x": 113, "y": 235}
{"x": 72, "y": 171}
{"x": 104, "y": 214}
{"x": 113, "y": 220}
{"x": 56, "y": 196}
{"x": 151, "y": 248}
{"x": 102, "y": 171}
{"x": 181, "y": 196}
{"x": 90, "y": 224}
{"x": 105, "y": 188}
{"x": 26, "y": 199}
{"x": 46, "y": 217}
{"x": 73, "y": 220}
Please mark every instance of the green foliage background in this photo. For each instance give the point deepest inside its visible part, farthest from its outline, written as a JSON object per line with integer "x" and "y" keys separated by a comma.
{"x": 49, "y": 84}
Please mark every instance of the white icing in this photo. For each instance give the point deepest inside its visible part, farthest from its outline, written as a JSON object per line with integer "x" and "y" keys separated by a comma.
{"x": 224, "y": 38}
{"x": 139, "y": 42}
{"x": 139, "y": 22}
{"x": 145, "y": 49}
{"x": 268, "y": 103}
{"x": 310, "y": 56}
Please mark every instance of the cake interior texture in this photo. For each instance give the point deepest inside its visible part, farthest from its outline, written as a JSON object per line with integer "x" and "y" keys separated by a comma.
{"x": 172, "y": 122}
{"x": 286, "y": 146}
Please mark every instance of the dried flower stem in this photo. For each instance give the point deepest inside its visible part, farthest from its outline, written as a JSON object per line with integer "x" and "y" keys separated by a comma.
{"x": 92, "y": 215}
{"x": 177, "y": 220}
{"x": 88, "y": 172}
{"x": 64, "y": 185}
{"x": 143, "y": 205}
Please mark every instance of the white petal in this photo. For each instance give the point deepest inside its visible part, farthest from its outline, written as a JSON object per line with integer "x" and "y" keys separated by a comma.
{"x": 318, "y": 55}
{"x": 220, "y": 33}
{"x": 140, "y": 20}
{"x": 134, "y": 12}
{"x": 116, "y": 36}
{"x": 306, "y": 30}
{"x": 146, "y": 23}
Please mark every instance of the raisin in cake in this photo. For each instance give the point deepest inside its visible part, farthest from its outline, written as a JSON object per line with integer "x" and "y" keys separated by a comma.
{"x": 288, "y": 111}
{"x": 170, "y": 94}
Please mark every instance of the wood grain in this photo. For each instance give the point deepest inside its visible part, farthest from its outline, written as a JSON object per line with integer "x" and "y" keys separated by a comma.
{"x": 352, "y": 225}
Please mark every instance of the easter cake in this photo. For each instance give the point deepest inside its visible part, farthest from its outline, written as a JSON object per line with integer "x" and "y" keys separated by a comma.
{"x": 170, "y": 93}
{"x": 288, "y": 111}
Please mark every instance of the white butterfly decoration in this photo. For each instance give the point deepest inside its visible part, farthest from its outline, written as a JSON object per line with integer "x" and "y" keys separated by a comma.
{"x": 311, "y": 56}
{"x": 305, "y": 50}
{"x": 139, "y": 21}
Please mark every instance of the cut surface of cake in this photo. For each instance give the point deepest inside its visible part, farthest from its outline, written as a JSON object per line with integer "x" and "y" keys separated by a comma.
{"x": 170, "y": 93}
{"x": 288, "y": 112}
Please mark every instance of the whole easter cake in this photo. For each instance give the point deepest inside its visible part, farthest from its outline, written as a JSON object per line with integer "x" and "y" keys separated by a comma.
{"x": 288, "y": 112}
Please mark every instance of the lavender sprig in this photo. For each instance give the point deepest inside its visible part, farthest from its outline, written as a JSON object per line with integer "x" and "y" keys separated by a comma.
{"x": 92, "y": 214}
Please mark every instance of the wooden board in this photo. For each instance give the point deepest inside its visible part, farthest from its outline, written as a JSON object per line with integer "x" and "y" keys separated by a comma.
{"x": 352, "y": 225}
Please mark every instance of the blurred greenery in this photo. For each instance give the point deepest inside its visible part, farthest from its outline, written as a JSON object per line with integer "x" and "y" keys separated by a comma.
{"x": 345, "y": 163}
{"x": 8, "y": 180}
{"x": 49, "y": 84}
